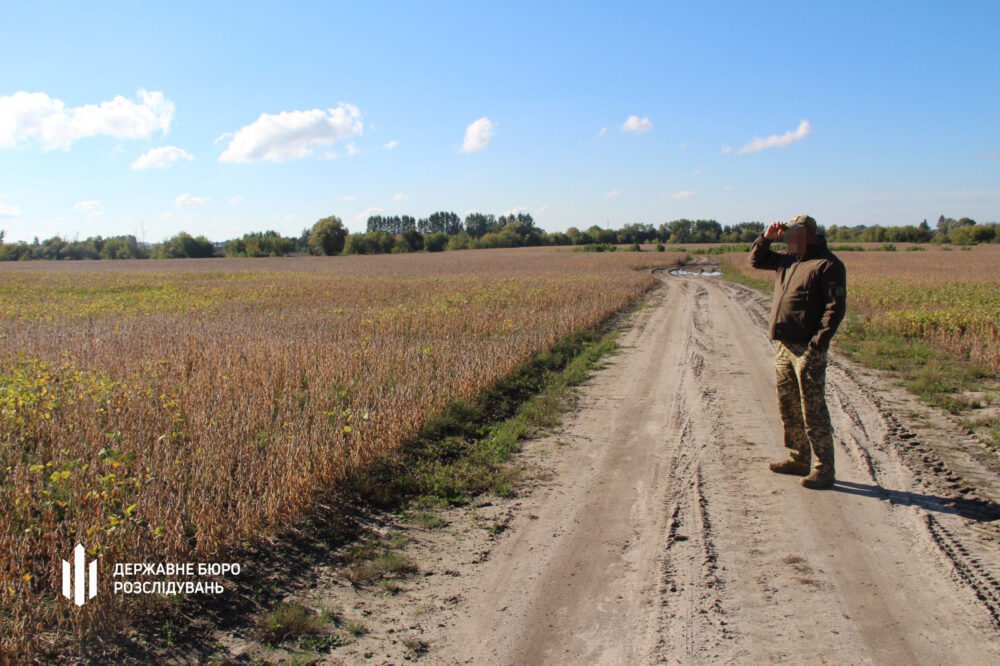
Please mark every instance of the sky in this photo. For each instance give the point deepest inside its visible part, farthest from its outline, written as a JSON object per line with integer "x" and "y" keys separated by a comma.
{"x": 226, "y": 118}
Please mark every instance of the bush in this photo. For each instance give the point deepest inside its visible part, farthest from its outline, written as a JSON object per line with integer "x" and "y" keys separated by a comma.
{"x": 327, "y": 236}
{"x": 435, "y": 242}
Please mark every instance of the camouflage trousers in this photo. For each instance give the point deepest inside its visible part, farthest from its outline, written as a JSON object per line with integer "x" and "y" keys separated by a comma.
{"x": 801, "y": 382}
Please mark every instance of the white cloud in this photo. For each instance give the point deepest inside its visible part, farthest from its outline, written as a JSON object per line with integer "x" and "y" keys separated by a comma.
{"x": 685, "y": 145}
{"x": 637, "y": 125}
{"x": 683, "y": 194}
{"x": 478, "y": 135}
{"x": 95, "y": 216}
{"x": 329, "y": 155}
{"x": 236, "y": 199}
{"x": 727, "y": 149}
{"x": 86, "y": 206}
{"x": 400, "y": 197}
{"x": 604, "y": 130}
{"x": 27, "y": 117}
{"x": 727, "y": 188}
{"x": 291, "y": 135}
{"x": 352, "y": 149}
{"x": 540, "y": 210}
{"x": 392, "y": 144}
{"x": 365, "y": 214}
{"x": 161, "y": 157}
{"x": 185, "y": 200}
{"x": 612, "y": 194}
{"x": 9, "y": 212}
{"x": 696, "y": 172}
{"x": 758, "y": 144}
{"x": 349, "y": 197}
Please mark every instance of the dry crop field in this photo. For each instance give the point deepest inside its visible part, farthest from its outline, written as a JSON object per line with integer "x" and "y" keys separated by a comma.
{"x": 949, "y": 297}
{"x": 168, "y": 411}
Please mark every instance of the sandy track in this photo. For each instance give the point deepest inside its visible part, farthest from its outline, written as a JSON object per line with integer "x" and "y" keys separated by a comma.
{"x": 663, "y": 538}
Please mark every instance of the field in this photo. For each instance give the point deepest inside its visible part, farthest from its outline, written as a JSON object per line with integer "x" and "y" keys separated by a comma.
{"x": 171, "y": 411}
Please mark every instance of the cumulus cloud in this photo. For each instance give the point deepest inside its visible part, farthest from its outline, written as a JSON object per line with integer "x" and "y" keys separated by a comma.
{"x": 758, "y": 144}
{"x": 392, "y": 144}
{"x": 185, "y": 200}
{"x": 35, "y": 117}
{"x": 400, "y": 197}
{"x": 683, "y": 194}
{"x": 612, "y": 194}
{"x": 368, "y": 212}
{"x": 637, "y": 125}
{"x": 8, "y": 212}
{"x": 291, "y": 135}
{"x": 159, "y": 158}
{"x": 87, "y": 206}
{"x": 478, "y": 135}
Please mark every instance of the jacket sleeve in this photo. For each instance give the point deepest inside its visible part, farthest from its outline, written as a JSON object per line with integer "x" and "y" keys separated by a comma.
{"x": 833, "y": 283}
{"x": 761, "y": 255}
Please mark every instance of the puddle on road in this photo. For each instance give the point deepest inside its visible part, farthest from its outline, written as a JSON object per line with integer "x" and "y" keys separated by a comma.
{"x": 684, "y": 271}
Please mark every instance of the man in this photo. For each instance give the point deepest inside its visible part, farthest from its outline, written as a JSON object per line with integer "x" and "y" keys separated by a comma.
{"x": 809, "y": 303}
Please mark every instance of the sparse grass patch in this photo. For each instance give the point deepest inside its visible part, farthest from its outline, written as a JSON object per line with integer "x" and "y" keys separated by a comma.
{"x": 428, "y": 520}
{"x": 288, "y": 621}
{"x": 356, "y": 628}
{"x": 416, "y": 645}
{"x": 375, "y": 561}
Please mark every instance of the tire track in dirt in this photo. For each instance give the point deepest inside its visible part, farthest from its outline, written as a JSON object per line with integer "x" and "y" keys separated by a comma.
{"x": 664, "y": 538}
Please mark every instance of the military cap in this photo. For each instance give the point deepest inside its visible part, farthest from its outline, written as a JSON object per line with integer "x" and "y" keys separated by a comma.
{"x": 804, "y": 221}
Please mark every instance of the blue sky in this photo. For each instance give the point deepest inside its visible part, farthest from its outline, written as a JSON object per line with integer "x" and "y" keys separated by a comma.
{"x": 225, "y": 118}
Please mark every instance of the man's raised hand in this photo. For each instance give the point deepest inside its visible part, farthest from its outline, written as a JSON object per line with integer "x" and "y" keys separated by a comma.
{"x": 773, "y": 230}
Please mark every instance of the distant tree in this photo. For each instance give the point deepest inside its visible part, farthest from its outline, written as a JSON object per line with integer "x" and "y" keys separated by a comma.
{"x": 435, "y": 242}
{"x": 411, "y": 240}
{"x": 440, "y": 222}
{"x": 706, "y": 231}
{"x": 477, "y": 224}
{"x": 327, "y": 236}
{"x": 678, "y": 231}
{"x": 257, "y": 244}
{"x": 459, "y": 241}
{"x": 372, "y": 242}
{"x": 184, "y": 245}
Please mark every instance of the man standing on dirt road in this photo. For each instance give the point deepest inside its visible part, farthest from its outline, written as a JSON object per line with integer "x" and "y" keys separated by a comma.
{"x": 809, "y": 304}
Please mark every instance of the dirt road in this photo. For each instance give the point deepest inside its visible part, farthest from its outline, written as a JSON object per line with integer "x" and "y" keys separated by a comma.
{"x": 658, "y": 535}
{"x": 664, "y": 538}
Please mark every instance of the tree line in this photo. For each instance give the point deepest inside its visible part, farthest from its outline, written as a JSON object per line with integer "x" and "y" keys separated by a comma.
{"x": 447, "y": 231}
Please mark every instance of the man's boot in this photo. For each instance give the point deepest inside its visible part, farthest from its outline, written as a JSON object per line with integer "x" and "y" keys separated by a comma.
{"x": 789, "y": 466}
{"x": 819, "y": 478}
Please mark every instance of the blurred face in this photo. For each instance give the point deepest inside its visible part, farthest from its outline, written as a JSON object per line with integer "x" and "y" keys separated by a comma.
{"x": 799, "y": 238}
